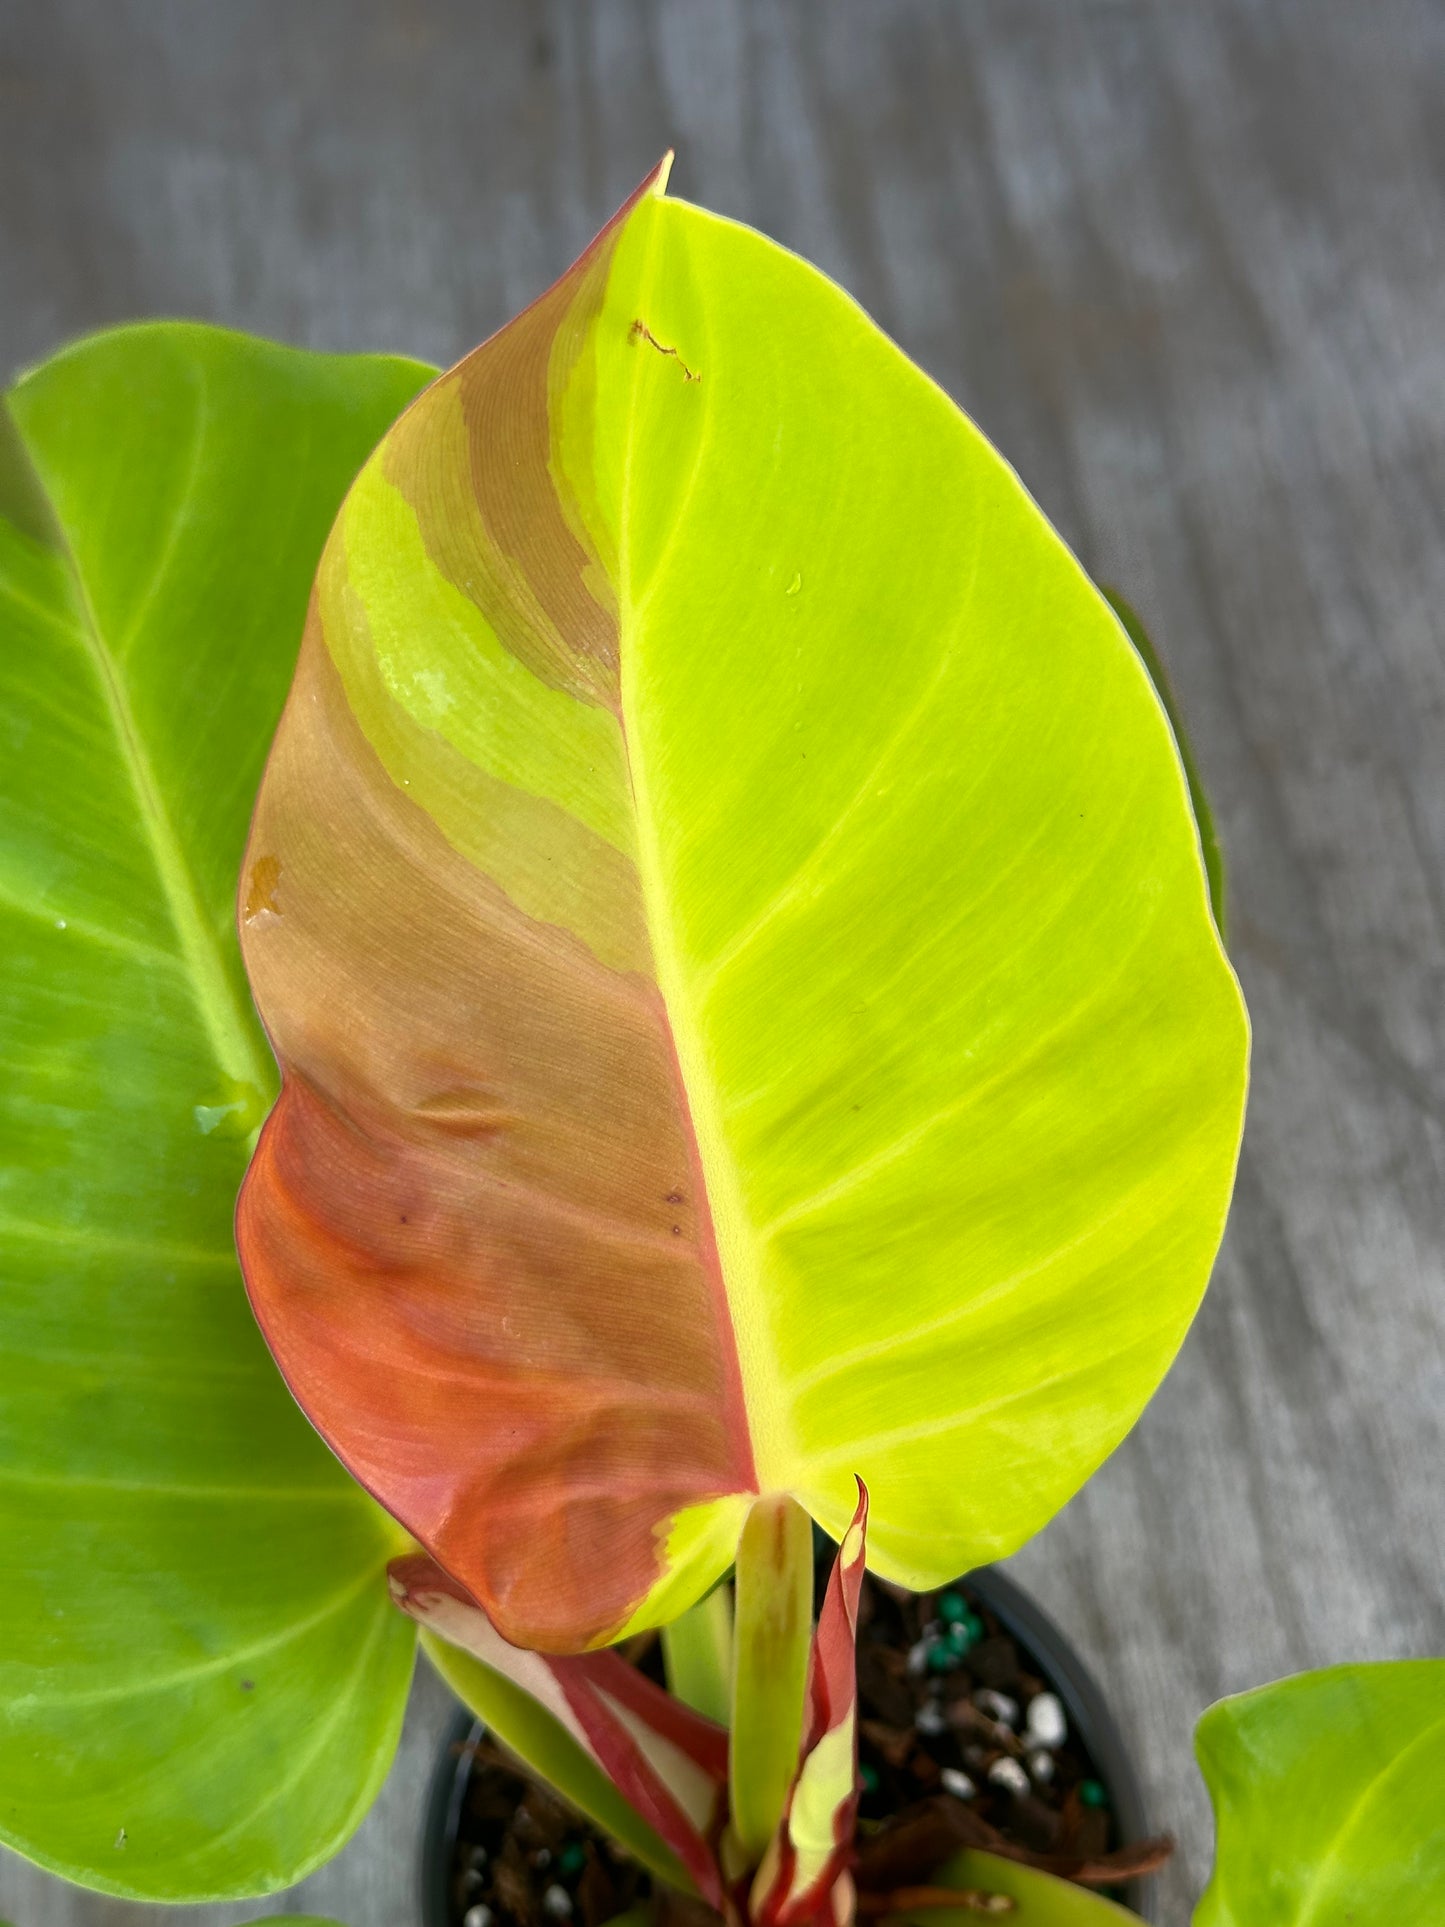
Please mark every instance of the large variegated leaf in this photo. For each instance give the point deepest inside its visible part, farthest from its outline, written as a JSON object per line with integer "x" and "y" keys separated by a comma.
{"x": 726, "y": 900}
{"x": 201, "y": 1678}
{"x": 1329, "y": 1799}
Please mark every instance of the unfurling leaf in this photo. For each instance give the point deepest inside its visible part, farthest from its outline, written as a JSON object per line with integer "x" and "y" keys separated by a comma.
{"x": 726, "y": 900}
{"x": 804, "y": 1875}
{"x": 1328, "y": 1793}
{"x": 772, "y": 1641}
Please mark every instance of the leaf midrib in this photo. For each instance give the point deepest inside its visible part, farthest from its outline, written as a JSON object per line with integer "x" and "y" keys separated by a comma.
{"x": 770, "y": 1440}
{"x": 227, "y": 1025}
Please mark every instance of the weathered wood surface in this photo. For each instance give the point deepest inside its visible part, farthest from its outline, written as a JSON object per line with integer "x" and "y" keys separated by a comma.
{"x": 1185, "y": 263}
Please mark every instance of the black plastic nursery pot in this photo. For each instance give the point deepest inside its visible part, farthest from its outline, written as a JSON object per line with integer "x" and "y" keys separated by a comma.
{"x": 1043, "y": 1652}
{"x": 1095, "y": 1748}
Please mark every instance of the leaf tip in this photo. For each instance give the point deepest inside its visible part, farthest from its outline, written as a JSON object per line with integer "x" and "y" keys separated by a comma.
{"x": 852, "y": 1551}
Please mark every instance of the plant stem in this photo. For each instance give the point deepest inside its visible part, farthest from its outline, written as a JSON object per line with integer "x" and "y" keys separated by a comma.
{"x": 770, "y": 1669}
{"x": 698, "y": 1653}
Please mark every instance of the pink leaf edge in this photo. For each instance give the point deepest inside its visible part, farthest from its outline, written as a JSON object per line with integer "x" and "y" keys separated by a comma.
{"x": 668, "y": 1762}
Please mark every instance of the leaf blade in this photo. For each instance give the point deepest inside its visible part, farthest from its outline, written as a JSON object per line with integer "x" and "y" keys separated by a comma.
{"x": 155, "y": 1653}
{"x": 785, "y": 892}
{"x": 1326, "y": 1790}
{"x": 602, "y": 1184}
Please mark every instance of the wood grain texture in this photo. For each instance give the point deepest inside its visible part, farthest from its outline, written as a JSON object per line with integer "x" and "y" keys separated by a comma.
{"x": 1185, "y": 265}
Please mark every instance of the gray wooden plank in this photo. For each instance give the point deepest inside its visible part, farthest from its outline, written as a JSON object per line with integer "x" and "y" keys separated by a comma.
{"x": 1186, "y": 265}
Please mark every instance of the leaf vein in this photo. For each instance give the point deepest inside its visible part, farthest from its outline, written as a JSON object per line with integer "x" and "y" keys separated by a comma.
{"x": 330, "y": 1607}
{"x": 217, "y": 1003}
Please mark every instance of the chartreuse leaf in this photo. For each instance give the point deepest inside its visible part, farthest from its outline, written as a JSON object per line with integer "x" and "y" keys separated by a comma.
{"x": 697, "y": 1651}
{"x": 1328, "y": 1793}
{"x": 727, "y": 903}
{"x": 201, "y": 1678}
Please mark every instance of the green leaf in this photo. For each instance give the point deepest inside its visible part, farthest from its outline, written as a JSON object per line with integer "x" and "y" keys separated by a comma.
{"x": 1203, "y": 816}
{"x": 201, "y": 1676}
{"x": 697, "y": 1652}
{"x": 742, "y": 961}
{"x": 1040, "y": 1899}
{"x": 1328, "y": 1792}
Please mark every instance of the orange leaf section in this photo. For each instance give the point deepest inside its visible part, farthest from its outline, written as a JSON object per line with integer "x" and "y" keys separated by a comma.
{"x": 474, "y": 1232}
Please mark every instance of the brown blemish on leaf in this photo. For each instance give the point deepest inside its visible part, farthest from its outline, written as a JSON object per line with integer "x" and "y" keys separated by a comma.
{"x": 467, "y": 1111}
{"x": 261, "y": 888}
{"x": 641, "y": 328}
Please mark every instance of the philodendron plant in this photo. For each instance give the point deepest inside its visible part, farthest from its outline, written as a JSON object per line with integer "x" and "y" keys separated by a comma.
{"x": 726, "y": 903}
{"x": 756, "y": 1048}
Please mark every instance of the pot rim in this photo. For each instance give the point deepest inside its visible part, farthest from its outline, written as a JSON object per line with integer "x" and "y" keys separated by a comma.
{"x": 1020, "y": 1616}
